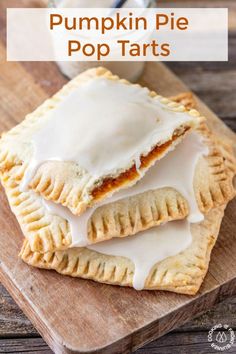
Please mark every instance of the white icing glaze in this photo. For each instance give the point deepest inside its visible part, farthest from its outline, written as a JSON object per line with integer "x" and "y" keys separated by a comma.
{"x": 103, "y": 126}
{"x": 78, "y": 224}
{"x": 176, "y": 170}
{"x": 149, "y": 247}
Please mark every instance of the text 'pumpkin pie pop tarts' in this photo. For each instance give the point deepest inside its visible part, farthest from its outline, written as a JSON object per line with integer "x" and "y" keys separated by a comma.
{"x": 83, "y": 169}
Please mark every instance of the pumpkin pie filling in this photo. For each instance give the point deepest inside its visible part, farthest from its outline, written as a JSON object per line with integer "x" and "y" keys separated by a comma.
{"x": 111, "y": 183}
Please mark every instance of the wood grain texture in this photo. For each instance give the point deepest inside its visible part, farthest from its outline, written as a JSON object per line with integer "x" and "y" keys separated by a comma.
{"x": 26, "y": 345}
{"x": 13, "y": 322}
{"x": 175, "y": 343}
{"x": 191, "y": 337}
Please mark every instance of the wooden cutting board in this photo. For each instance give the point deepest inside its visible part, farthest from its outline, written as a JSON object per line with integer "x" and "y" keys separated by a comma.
{"x": 76, "y": 316}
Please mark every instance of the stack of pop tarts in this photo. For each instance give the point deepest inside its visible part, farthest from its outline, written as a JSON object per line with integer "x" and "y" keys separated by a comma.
{"x": 152, "y": 221}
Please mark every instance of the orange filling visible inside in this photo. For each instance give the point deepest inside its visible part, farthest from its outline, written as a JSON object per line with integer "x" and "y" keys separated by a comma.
{"x": 111, "y": 183}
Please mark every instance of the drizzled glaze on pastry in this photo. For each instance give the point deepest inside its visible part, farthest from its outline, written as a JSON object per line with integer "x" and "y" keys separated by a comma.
{"x": 176, "y": 170}
{"x": 104, "y": 126}
{"x": 149, "y": 247}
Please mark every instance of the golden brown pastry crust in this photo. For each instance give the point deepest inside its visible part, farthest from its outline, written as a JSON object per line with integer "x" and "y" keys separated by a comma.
{"x": 186, "y": 99}
{"x": 183, "y": 273}
{"x": 213, "y": 181}
{"x": 65, "y": 182}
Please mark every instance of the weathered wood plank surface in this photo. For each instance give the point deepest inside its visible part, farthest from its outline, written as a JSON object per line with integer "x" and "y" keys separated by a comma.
{"x": 17, "y": 335}
{"x": 174, "y": 343}
{"x": 215, "y": 84}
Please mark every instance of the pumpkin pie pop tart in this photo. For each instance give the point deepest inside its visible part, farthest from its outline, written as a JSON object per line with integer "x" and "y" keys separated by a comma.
{"x": 172, "y": 257}
{"x": 95, "y": 136}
